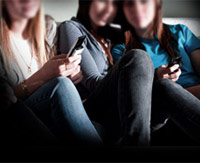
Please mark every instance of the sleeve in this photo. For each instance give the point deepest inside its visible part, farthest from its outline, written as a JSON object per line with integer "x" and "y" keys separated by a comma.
{"x": 68, "y": 33}
{"x": 3, "y": 76}
{"x": 51, "y": 34}
{"x": 191, "y": 41}
{"x": 117, "y": 52}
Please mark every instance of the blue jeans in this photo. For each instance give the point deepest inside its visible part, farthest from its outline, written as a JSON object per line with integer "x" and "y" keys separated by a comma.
{"x": 172, "y": 101}
{"x": 125, "y": 106}
{"x": 122, "y": 100}
{"x": 58, "y": 104}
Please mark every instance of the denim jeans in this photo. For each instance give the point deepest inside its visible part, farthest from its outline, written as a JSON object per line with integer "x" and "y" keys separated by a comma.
{"x": 123, "y": 100}
{"x": 58, "y": 104}
{"x": 131, "y": 103}
{"x": 172, "y": 101}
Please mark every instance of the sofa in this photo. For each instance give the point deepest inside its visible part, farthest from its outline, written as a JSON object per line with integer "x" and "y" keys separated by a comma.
{"x": 168, "y": 135}
{"x": 192, "y": 23}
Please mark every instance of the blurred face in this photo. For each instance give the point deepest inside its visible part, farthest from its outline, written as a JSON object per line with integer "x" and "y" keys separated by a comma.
{"x": 102, "y": 12}
{"x": 139, "y": 13}
{"x": 22, "y": 9}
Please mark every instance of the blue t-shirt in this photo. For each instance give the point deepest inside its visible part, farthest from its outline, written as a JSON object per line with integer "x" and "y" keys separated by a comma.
{"x": 187, "y": 42}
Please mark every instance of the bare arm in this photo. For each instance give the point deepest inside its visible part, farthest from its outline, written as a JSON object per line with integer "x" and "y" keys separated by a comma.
{"x": 195, "y": 59}
{"x": 57, "y": 66}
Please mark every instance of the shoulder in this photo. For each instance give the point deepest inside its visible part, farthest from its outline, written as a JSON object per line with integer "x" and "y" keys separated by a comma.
{"x": 2, "y": 68}
{"x": 71, "y": 25}
{"x": 50, "y": 23}
{"x": 51, "y": 30}
{"x": 51, "y": 26}
{"x": 178, "y": 28}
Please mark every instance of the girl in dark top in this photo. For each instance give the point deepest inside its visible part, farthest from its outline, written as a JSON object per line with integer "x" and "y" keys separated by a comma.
{"x": 111, "y": 97}
{"x": 118, "y": 96}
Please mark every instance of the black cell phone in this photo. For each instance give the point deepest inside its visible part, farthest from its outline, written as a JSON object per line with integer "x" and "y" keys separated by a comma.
{"x": 77, "y": 45}
{"x": 174, "y": 60}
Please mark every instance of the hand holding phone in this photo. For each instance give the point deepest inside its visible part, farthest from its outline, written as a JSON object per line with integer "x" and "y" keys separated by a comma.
{"x": 174, "y": 60}
{"x": 77, "y": 46}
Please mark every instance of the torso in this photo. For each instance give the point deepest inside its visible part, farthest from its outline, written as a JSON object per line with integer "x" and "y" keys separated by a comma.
{"x": 27, "y": 61}
{"x": 187, "y": 42}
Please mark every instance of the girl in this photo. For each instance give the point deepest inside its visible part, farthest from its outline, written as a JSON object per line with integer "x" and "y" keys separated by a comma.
{"x": 144, "y": 30}
{"x": 119, "y": 96}
{"x": 37, "y": 77}
{"x": 141, "y": 20}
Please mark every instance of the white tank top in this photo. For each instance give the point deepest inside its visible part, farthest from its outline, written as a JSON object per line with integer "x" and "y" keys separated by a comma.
{"x": 28, "y": 64}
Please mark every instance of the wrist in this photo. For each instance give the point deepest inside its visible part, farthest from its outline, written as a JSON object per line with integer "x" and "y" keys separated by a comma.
{"x": 25, "y": 89}
{"x": 41, "y": 76}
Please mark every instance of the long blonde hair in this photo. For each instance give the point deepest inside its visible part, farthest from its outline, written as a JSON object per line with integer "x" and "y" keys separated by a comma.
{"x": 36, "y": 34}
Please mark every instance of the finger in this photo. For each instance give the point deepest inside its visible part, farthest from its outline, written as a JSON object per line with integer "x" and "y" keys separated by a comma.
{"x": 78, "y": 52}
{"x": 77, "y": 81}
{"x": 61, "y": 56}
{"x": 166, "y": 76}
{"x": 163, "y": 69}
{"x": 71, "y": 72}
{"x": 75, "y": 72}
{"x": 61, "y": 70}
{"x": 77, "y": 76}
{"x": 173, "y": 68}
{"x": 73, "y": 64}
{"x": 173, "y": 76}
{"x": 62, "y": 61}
{"x": 178, "y": 74}
{"x": 73, "y": 58}
{"x": 174, "y": 80}
{"x": 66, "y": 73}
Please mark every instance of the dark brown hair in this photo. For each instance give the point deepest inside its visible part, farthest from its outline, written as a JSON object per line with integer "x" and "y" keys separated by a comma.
{"x": 162, "y": 30}
{"x": 83, "y": 13}
{"x": 107, "y": 33}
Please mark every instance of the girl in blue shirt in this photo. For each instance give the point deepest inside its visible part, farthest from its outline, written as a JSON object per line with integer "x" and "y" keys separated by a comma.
{"x": 142, "y": 23}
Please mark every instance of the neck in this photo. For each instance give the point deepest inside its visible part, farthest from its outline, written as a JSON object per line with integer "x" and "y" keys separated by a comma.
{"x": 19, "y": 27}
{"x": 94, "y": 28}
{"x": 146, "y": 33}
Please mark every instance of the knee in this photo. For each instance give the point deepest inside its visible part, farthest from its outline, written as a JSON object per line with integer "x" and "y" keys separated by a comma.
{"x": 63, "y": 84}
{"x": 138, "y": 58}
{"x": 167, "y": 85}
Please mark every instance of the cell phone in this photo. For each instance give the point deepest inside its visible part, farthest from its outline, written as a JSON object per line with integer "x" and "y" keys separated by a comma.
{"x": 77, "y": 46}
{"x": 174, "y": 60}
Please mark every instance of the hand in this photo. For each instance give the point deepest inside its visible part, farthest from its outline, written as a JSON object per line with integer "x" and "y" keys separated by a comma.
{"x": 62, "y": 66}
{"x": 172, "y": 73}
{"x": 75, "y": 74}
{"x": 77, "y": 78}
{"x": 55, "y": 67}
